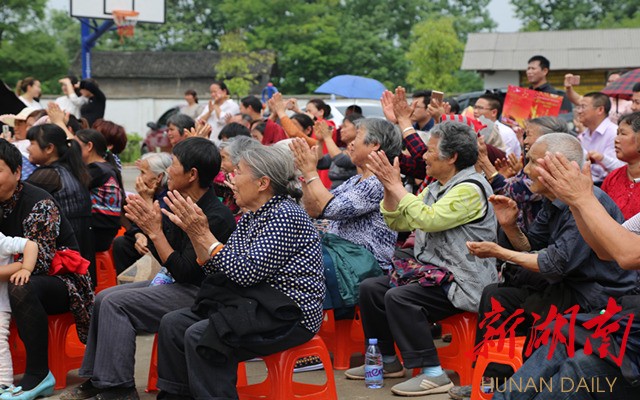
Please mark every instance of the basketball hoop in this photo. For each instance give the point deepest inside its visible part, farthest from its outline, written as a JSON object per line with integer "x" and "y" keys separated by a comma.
{"x": 126, "y": 21}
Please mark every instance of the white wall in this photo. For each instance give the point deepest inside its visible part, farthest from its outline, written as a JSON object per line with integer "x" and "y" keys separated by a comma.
{"x": 134, "y": 114}
{"x": 501, "y": 79}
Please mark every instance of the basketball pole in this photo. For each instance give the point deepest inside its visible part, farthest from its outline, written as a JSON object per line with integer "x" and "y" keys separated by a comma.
{"x": 90, "y": 32}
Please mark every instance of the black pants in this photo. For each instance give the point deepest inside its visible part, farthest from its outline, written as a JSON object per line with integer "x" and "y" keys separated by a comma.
{"x": 124, "y": 253}
{"x": 30, "y": 305}
{"x": 404, "y": 315}
{"x": 185, "y": 372}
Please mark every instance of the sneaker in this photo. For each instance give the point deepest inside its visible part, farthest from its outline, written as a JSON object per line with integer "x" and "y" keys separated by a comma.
{"x": 422, "y": 385}
{"x": 389, "y": 370}
{"x": 460, "y": 392}
{"x": 308, "y": 364}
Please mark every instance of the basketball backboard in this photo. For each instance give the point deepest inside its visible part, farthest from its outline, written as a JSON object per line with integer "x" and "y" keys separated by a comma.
{"x": 152, "y": 11}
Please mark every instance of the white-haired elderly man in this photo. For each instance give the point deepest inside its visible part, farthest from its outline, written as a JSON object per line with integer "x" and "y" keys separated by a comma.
{"x": 552, "y": 263}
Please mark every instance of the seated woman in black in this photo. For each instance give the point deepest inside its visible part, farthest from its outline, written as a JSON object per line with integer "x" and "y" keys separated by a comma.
{"x": 105, "y": 187}
{"x": 32, "y": 213}
{"x": 62, "y": 173}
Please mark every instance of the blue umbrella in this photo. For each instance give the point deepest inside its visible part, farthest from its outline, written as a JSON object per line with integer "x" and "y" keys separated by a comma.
{"x": 352, "y": 86}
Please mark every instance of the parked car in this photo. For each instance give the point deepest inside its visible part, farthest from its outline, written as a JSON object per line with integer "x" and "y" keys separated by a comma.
{"x": 370, "y": 108}
{"x": 156, "y": 139}
{"x": 469, "y": 99}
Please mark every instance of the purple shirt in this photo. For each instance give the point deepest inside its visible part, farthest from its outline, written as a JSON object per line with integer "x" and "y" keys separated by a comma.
{"x": 601, "y": 140}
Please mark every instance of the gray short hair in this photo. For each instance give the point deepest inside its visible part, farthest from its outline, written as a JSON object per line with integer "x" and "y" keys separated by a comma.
{"x": 382, "y": 132}
{"x": 277, "y": 164}
{"x": 182, "y": 122}
{"x": 566, "y": 144}
{"x": 158, "y": 164}
{"x": 457, "y": 138}
{"x": 550, "y": 124}
{"x": 237, "y": 145}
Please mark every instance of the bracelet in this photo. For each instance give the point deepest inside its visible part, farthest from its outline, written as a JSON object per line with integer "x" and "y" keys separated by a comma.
{"x": 312, "y": 179}
{"x": 216, "y": 250}
{"x": 405, "y": 130}
{"x": 490, "y": 178}
{"x": 213, "y": 247}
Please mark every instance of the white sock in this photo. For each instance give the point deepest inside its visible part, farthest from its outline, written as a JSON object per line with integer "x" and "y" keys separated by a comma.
{"x": 433, "y": 371}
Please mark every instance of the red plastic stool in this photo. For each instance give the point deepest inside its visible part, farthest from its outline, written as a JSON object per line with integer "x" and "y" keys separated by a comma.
{"x": 152, "y": 380}
{"x": 343, "y": 338}
{"x": 462, "y": 328}
{"x": 105, "y": 271}
{"x": 279, "y": 383}
{"x": 65, "y": 349}
{"x": 495, "y": 356}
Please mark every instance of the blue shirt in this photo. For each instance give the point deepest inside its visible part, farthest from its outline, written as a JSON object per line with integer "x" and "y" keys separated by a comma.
{"x": 355, "y": 215}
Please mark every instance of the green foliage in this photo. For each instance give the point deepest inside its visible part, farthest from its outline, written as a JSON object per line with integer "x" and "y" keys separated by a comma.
{"x": 309, "y": 41}
{"x": 33, "y": 54}
{"x": 67, "y": 32}
{"x": 237, "y": 63}
{"x": 16, "y": 15}
{"x": 574, "y": 14}
{"x": 131, "y": 153}
{"x": 434, "y": 55}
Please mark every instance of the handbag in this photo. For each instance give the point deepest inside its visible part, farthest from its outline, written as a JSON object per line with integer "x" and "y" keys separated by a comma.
{"x": 410, "y": 270}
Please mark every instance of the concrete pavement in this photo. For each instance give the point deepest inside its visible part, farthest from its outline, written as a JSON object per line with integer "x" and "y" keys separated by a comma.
{"x": 256, "y": 371}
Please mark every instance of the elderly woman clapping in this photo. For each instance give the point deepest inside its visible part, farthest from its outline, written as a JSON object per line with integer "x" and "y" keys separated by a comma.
{"x": 445, "y": 280}
{"x": 273, "y": 257}
{"x": 353, "y": 208}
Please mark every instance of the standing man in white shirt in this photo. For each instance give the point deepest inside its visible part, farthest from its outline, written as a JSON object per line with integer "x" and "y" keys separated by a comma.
{"x": 489, "y": 106}
{"x": 70, "y": 102}
{"x": 219, "y": 109}
{"x": 598, "y": 139}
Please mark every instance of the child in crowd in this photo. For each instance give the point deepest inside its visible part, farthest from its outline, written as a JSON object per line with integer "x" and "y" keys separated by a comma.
{"x": 19, "y": 275}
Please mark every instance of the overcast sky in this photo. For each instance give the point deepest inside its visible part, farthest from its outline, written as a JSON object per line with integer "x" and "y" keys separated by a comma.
{"x": 501, "y": 11}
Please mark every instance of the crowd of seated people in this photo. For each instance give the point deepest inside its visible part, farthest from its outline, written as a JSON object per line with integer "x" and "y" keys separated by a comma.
{"x": 265, "y": 205}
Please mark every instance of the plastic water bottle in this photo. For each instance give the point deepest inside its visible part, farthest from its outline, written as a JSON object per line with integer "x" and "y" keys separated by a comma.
{"x": 163, "y": 277}
{"x": 373, "y": 375}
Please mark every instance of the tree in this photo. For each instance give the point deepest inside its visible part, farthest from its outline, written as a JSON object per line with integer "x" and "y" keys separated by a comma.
{"x": 16, "y": 15}
{"x": 434, "y": 55}
{"x": 67, "y": 30}
{"x": 34, "y": 54}
{"x": 238, "y": 66}
{"x": 572, "y": 14}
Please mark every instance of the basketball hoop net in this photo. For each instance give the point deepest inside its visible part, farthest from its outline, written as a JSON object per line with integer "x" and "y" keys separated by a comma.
{"x": 125, "y": 21}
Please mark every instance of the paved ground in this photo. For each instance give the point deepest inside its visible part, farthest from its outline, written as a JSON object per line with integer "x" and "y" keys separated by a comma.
{"x": 347, "y": 389}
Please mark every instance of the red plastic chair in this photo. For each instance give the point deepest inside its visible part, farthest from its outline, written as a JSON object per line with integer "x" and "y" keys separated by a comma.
{"x": 65, "y": 349}
{"x": 342, "y": 337}
{"x": 152, "y": 380}
{"x": 279, "y": 383}
{"x": 495, "y": 356}
{"x": 462, "y": 328}
{"x": 105, "y": 271}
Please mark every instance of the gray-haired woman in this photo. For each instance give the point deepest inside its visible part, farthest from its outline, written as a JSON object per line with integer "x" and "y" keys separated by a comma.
{"x": 274, "y": 253}
{"x": 353, "y": 208}
{"x": 447, "y": 214}
{"x": 151, "y": 185}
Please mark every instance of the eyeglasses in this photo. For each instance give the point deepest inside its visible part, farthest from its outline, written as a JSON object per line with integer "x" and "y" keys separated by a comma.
{"x": 480, "y": 108}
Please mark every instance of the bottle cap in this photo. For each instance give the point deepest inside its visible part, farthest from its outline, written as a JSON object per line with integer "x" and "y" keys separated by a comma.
{"x": 373, "y": 341}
